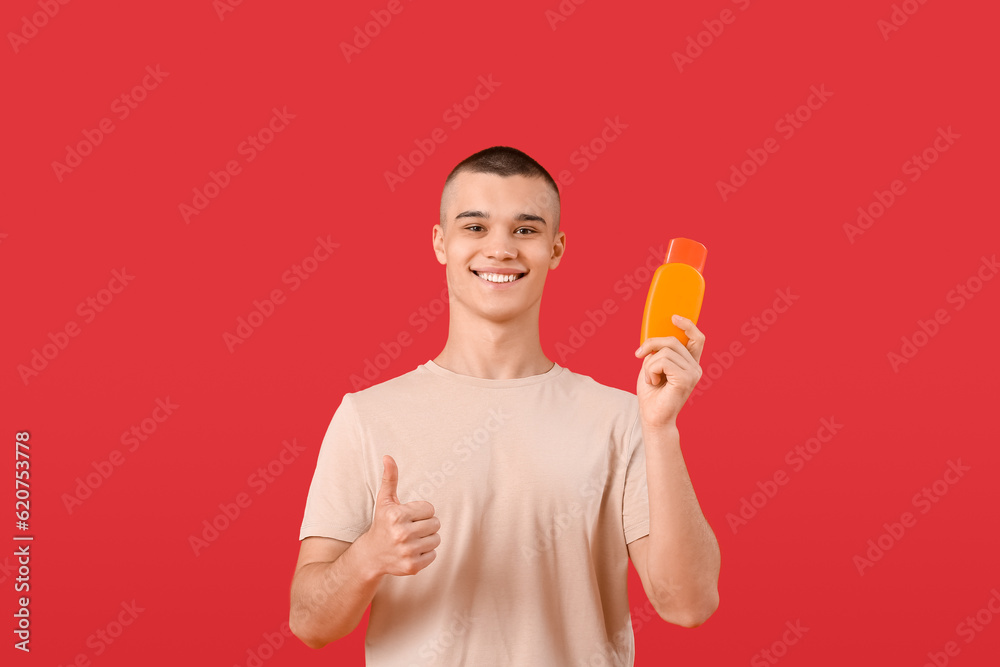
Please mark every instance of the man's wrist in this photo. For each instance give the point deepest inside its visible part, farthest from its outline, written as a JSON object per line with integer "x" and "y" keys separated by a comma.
{"x": 660, "y": 435}
{"x": 367, "y": 565}
{"x": 659, "y": 427}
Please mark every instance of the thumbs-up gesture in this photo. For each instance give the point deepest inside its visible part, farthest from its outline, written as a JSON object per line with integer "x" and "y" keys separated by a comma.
{"x": 403, "y": 536}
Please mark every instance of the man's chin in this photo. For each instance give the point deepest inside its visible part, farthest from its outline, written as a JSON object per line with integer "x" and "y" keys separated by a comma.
{"x": 499, "y": 314}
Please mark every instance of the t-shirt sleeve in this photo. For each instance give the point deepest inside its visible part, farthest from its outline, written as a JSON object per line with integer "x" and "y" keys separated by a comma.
{"x": 635, "y": 505}
{"x": 340, "y": 503}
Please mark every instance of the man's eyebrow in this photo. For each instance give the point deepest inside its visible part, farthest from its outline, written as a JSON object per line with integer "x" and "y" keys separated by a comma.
{"x": 520, "y": 217}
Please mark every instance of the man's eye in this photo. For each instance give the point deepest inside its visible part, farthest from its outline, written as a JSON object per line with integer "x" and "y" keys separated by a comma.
{"x": 476, "y": 228}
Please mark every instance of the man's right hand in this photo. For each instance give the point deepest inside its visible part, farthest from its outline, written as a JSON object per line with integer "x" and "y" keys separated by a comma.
{"x": 403, "y": 536}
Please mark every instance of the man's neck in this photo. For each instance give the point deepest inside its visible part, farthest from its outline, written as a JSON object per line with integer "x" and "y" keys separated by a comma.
{"x": 495, "y": 351}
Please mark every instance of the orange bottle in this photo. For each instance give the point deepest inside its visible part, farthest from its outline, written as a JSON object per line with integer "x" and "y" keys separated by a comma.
{"x": 677, "y": 288}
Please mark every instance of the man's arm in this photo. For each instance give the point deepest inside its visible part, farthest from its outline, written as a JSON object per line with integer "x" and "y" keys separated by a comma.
{"x": 678, "y": 562}
{"x": 334, "y": 583}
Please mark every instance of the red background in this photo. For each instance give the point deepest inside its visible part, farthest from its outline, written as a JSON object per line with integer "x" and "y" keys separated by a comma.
{"x": 324, "y": 176}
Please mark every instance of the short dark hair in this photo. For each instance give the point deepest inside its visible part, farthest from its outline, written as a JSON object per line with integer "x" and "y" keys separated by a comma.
{"x": 503, "y": 161}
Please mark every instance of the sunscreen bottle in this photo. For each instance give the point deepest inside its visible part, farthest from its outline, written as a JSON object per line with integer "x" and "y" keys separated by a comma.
{"x": 677, "y": 288}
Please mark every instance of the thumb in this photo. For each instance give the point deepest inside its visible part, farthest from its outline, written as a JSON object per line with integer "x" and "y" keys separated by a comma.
{"x": 390, "y": 476}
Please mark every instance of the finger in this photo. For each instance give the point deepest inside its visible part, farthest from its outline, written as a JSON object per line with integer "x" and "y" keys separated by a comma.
{"x": 675, "y": 350}
{"x": 426, "y": 527}
{"x": 427, "y": 543}
{"x": 688, "y": 327}
{"x": 645, "y": 370}
{"x": 650, "y": 345}
{"x": 419, "y": 510}
{"x": 654, "y": 344}
{"x": 683, "y": 323}
{"x": 667, "y": 362}
{"x": 659, "y": 370}
{"x": 652, "y": 368}
{"x": 695, "y": 336}
{"x": 679, "y": 358}
{"x": 390, "y": 478}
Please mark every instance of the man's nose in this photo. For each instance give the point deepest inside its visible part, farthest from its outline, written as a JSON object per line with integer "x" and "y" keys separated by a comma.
{"x": 500, "y": 246}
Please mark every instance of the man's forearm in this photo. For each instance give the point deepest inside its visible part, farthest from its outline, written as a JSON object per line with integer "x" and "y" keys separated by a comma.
{"x": 328, "y": 600}
{"x": 683, "y": 556}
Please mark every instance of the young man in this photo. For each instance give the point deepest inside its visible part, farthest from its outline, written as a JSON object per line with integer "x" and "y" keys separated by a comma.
{"x": 486, "y": 504}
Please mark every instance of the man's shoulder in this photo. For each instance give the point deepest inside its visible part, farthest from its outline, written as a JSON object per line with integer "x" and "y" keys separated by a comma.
{"x": 586, "y": 383}
{"x": 393, "y": 387}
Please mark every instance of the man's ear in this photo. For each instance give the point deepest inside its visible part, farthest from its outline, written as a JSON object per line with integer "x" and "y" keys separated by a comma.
{"x": 437, "y": 239}
{"x": 558, "y": 248}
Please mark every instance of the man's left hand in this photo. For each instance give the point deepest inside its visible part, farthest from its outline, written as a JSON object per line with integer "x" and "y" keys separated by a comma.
{"x": 669, "y": 373}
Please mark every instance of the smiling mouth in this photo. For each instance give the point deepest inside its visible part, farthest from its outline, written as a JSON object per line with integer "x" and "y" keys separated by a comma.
{"x": 500, "y": 277}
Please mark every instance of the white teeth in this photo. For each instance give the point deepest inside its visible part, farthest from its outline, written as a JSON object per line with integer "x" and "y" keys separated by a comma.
{"x": 499, "y": 277}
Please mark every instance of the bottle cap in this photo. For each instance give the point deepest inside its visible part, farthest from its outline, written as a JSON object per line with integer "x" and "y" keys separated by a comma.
{"x": 686, "y": 251}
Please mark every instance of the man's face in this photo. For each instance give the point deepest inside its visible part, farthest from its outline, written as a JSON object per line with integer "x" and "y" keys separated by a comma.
{"x": 498, "y": 229}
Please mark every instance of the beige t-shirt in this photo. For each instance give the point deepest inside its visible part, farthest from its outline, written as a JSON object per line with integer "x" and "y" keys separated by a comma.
{"x": 539, "y": 483}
